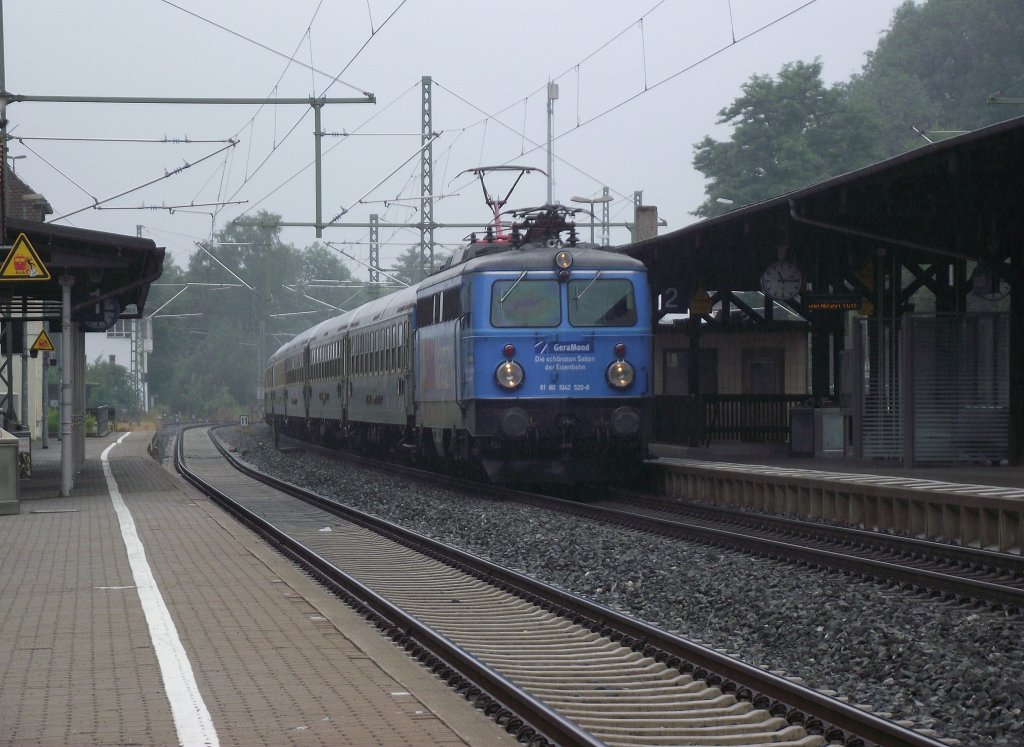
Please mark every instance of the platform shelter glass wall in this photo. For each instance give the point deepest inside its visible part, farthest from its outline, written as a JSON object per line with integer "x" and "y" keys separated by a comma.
{"x": 959, "y": 381}
{"x": 933, "y": 389}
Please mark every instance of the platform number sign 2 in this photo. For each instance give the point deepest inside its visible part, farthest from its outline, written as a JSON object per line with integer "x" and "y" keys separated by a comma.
{"x": 669, "y": 301}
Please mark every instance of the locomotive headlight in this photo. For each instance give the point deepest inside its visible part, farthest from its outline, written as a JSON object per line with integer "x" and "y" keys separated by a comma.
{"x": 563, "y": 260}
{"x": 509, "y": 375}
{"x": 620, "y": 374}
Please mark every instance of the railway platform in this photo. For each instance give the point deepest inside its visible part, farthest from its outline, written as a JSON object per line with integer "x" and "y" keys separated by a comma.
{"x": 973, "y": 505}
{"x": 135, "y": 611}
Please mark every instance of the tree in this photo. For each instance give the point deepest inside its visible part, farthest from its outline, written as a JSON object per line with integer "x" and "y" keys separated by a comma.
{"x": 409, "y": 267}
{"x": 213, "y": 361}
{"x": 934, "y": 69}
{"x": 937, "y": 65}
{"x": 109, "y": 385}
{"x": 319, "y": 262}
{"x": 170, "y": 333}
{"x": 787, "y": 133}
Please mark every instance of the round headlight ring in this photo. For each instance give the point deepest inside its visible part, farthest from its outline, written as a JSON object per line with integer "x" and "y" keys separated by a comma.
{"x": 563, "y": 260}
{"x": 620, "y": 374}
{"x": 509, "y": 375}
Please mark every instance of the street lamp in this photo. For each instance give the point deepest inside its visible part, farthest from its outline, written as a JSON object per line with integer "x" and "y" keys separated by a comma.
{"x": 603, "y": 199}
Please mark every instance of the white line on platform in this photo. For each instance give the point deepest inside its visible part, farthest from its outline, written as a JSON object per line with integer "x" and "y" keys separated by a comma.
{"x": 191, "y": 718}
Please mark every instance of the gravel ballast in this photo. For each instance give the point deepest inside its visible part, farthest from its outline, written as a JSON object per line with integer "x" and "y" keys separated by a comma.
{"x": 942, "y": 666}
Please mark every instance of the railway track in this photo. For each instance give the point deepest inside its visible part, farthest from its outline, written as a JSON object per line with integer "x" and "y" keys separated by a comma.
{"x": 551, "y": 667}
{"x": 964, "y": 574}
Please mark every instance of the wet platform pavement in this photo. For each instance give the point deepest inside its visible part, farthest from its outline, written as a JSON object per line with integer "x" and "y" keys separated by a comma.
{"x": 247, "y": 650}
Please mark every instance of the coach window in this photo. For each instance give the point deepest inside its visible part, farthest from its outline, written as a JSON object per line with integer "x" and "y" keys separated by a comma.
{"x": 400, "y": 342}
{"x": 425, "y": 311}
{"x": 525, "y": 303}
{"x": 450, "y": 304}
{"x": 601, "y": 302}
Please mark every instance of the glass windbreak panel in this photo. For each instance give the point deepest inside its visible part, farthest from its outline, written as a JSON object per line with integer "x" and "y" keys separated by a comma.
{"x": 601, "y": 303}
{"x": 525, "y": 303}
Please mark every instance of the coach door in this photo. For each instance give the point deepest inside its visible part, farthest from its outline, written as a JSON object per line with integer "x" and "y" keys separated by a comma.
{"x": 404, "y": 367}
{"x": 307, "y": 387}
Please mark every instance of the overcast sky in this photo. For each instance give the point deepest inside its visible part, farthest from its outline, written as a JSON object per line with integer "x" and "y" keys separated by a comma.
{"x": 639, "y": 84}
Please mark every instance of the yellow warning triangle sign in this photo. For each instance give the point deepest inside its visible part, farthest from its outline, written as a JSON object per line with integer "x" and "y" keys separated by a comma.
{"x": 700, "y": 303}
{"x": 42, "y": 342}
{"x": 23, "y": 263}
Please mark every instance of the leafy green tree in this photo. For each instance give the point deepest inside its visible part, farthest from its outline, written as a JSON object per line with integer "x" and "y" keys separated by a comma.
{"x": 109, "y": 385}
{"x": 937, "y": 65}
{"x": 409, "y": 267}
{"x": 788, "y": 132}
{"x": 320, "y": 262}
{"x": 170, "y": 333}
{"x": 250, "y": 291}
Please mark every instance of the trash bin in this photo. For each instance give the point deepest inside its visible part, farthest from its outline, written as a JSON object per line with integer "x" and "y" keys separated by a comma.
{"x": 24, "y": 452}
{"x": 829, "y": 432}
{"x": 10, "y": 502}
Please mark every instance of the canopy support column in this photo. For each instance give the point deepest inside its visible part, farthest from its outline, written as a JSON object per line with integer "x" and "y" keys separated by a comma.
{"x": 67, "y": 457}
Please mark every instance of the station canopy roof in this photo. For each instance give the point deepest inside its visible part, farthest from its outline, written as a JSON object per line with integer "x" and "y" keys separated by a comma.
{"x": 110, "y": 271}
{"x": 958, "y": 198}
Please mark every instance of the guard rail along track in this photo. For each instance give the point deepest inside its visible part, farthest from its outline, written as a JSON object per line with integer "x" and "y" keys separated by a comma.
{"x": 551, "y": 667}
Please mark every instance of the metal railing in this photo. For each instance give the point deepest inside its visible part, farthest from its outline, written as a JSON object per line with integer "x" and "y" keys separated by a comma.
{"x": 724, "y": 418}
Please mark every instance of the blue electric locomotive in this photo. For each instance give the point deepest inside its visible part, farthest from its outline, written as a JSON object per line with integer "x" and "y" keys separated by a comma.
{"x": 527, "y": 357}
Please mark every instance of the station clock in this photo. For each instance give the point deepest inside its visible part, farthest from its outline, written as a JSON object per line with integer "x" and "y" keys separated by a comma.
{"x": 782, "y": 280}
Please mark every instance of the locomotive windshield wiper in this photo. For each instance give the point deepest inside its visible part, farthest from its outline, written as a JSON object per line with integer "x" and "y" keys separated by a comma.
{"x": 509, "y": 291}
{"x": 579, "y": 295}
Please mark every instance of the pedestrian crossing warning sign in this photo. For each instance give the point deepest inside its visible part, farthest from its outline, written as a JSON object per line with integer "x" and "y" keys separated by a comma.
{"x": 43, "y": 342}
{"x": 22, "y": 262}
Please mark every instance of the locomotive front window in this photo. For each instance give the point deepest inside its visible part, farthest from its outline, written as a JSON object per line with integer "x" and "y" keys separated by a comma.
{"x": 525, "y": 303}
{"x": 600, "y": 302}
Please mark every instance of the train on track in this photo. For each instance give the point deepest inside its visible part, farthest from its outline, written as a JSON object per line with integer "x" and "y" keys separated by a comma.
{"x": 527, "y": 358}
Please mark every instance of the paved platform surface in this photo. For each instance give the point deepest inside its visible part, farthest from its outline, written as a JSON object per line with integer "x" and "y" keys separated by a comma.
{"x": 275, "y": 659}
{"x": 971, "y": 474}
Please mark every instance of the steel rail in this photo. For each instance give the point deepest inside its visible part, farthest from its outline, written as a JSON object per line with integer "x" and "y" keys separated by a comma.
{"x": 959, "y": 586}
{"x": 848, "y": 534}
{"x": 816, "y": 711}
{"x": 530, "y": 719}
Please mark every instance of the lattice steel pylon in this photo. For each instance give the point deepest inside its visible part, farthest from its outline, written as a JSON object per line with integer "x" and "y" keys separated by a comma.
{"x": 137, "y": 372}
{"x": 426, "y": 178}
{"x": 374, "y": 248}
{"x": 138, "y": 369}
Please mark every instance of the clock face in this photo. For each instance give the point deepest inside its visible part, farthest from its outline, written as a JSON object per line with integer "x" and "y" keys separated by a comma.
{"x": 782, "y": 280}
{"x": 985, "y": 286}
{"x": 103, "y": 316}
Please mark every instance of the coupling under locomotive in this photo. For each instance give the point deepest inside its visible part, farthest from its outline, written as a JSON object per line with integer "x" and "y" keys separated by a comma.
{"x": 528, "y": 356}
